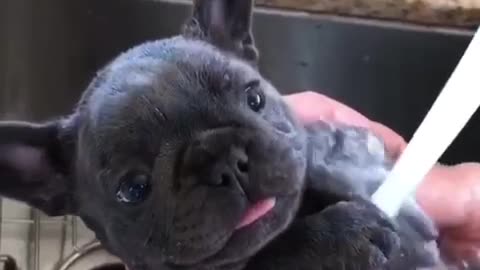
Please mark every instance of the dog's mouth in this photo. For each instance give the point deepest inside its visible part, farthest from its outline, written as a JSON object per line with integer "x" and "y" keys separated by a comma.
{"x": 256, "y": 212}
{"x": 257, "y": 225}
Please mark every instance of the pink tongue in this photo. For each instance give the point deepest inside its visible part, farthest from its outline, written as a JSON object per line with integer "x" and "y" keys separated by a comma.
{"x": 257, "y": 211}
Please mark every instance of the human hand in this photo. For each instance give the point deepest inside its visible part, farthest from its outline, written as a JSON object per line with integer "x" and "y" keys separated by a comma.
{"x": 449, "y": 194}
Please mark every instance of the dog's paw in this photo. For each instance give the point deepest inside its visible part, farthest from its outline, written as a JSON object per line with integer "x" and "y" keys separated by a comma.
{"x": 348, "y": 235}
{"x": 363, "y": 237}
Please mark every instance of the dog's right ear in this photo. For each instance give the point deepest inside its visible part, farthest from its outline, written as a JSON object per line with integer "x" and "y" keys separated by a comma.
{"x": 35, "y": 165}
{"x": 226, "y": 24}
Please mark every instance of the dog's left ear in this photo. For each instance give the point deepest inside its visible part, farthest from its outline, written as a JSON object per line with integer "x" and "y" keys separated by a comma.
{"x": 36, "y": 167}
{"x": 226, "y": 24}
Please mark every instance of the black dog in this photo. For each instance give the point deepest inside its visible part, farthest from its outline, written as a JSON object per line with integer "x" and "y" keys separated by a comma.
{"x": 180, "y": 155}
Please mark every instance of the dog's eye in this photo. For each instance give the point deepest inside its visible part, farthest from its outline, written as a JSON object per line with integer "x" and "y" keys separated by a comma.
{"x": 134, "y": 188}
{"x": 255, "y": 98}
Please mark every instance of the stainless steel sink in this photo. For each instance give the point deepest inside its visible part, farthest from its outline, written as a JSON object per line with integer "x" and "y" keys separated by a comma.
{"x": 50, "y": 49}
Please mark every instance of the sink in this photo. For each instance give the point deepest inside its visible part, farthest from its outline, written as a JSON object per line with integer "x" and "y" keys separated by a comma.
{"x": 50, "y": 49}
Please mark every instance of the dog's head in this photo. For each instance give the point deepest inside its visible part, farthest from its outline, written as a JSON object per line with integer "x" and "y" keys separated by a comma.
{"x": 179, "y": 152}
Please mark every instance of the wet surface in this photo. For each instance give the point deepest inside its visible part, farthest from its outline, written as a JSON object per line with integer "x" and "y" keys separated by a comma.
{"x": 50, "y": 49}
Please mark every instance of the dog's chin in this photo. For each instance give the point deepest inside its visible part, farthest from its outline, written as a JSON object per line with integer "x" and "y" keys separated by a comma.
{"x": 248, "y": 239}
{"x": 261, "y": 223}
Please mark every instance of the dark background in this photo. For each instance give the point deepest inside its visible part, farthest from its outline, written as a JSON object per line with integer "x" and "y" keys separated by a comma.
{"x": 50, "y": 49}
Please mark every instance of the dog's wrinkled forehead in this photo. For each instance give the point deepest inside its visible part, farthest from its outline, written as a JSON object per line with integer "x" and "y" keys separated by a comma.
{"x": 162, "y": 82}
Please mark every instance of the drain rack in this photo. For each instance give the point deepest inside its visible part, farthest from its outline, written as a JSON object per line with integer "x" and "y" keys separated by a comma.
{"x": 65, "y": 261}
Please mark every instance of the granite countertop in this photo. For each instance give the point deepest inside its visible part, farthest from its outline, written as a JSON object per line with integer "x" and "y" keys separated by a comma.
{"x": 448, "y": 13}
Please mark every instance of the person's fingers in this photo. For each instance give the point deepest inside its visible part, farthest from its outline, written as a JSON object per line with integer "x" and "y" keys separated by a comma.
{"x": 394, "y": 143}
{"x": 463, "y": 253}
{"x": 451, "y": 195}
{"x": 310, "y": 107}
{"x": 437, "y": 196}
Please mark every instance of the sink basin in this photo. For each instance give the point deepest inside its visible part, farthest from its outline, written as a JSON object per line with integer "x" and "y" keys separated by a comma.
{"x": 391, "y": 72}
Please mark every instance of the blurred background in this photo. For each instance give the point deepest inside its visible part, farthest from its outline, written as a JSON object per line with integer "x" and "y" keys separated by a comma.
{"x": 50, "y": 49}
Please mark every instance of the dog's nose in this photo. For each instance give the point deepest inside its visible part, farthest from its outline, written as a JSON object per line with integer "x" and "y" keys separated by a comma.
{"x": 231, "y": 171}
{"x": 218, "y": 158}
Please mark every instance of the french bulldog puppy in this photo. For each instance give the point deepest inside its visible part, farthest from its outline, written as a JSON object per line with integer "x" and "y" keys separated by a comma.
{"x": 180, "y": 155}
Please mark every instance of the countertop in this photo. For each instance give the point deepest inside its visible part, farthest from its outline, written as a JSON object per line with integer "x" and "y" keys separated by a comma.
{"x": 447, "y": 13}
